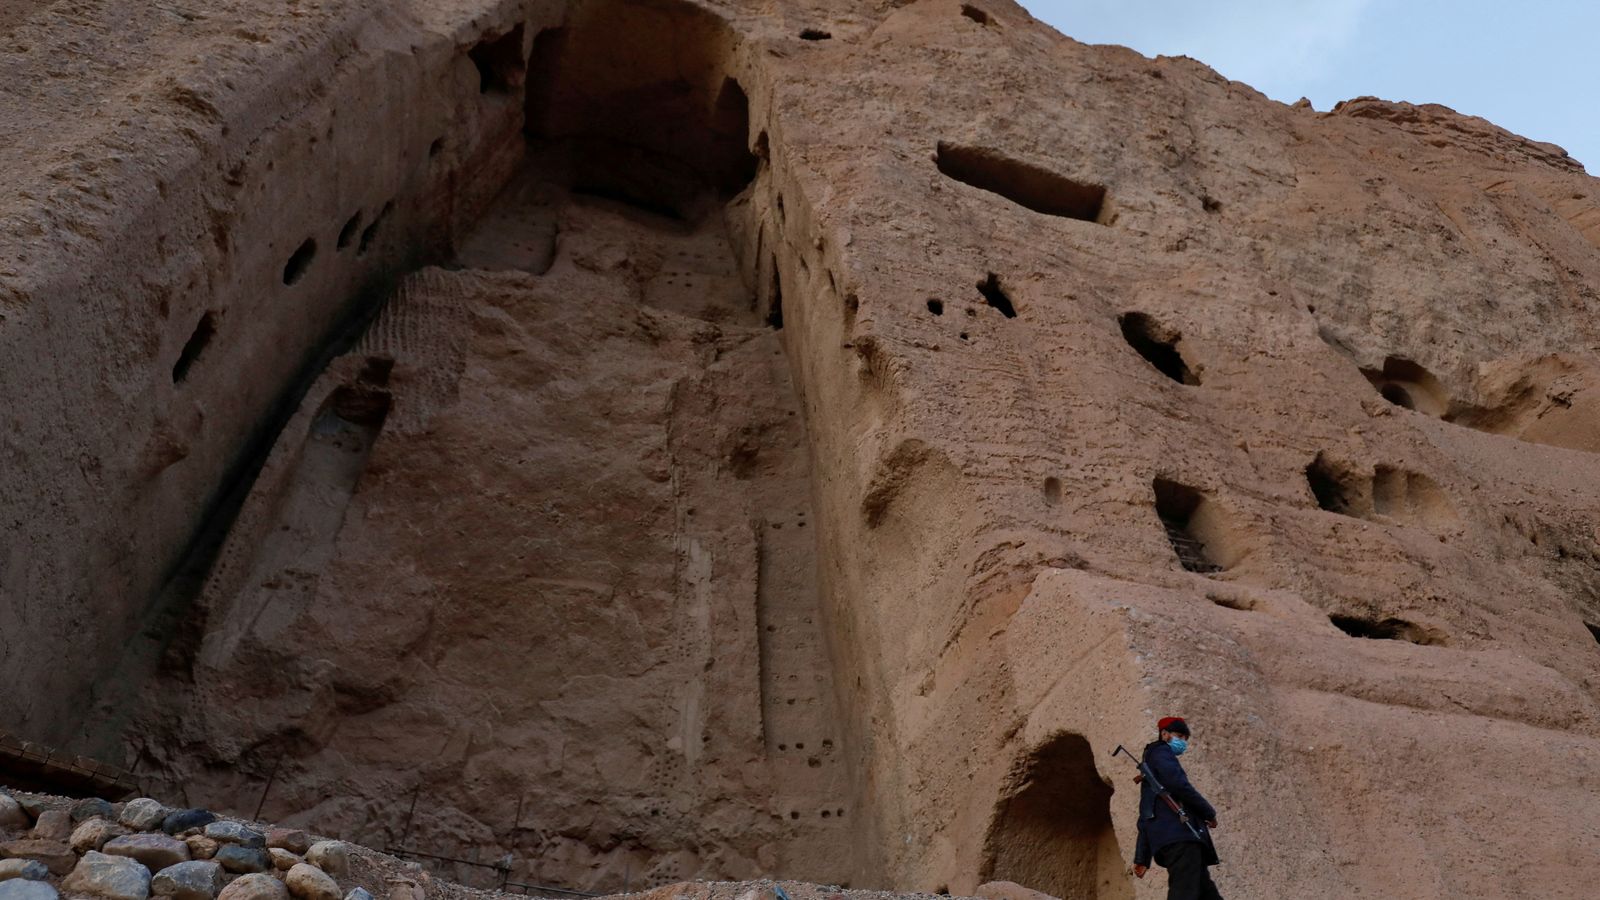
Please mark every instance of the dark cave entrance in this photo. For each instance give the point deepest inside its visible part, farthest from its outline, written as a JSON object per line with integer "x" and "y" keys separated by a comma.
{"x": 1338, "y": 488}
{"x": 1158, "y": 346}
{"x": 1386, "y": 629}
{"x": 1024, "y": 184}
{"x": 659, "y": 125}
{"x": 1052, "y": 826}
{"x": 499, "y": 61}
{"x": 1187, "y": 516}
{"x": 1409, "y": 386}
{"x": 996, "y": 296}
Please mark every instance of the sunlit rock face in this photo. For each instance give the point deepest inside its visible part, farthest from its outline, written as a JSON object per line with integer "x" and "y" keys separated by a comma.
{"x": 653, "y": 440}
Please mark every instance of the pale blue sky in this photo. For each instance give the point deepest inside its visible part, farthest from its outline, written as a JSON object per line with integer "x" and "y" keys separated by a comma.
{"x": 1531, "y": 67}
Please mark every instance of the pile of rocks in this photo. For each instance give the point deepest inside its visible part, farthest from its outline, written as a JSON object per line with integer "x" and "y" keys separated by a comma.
{"x": 141, "y": 849}
{"x": 54, "y": 848}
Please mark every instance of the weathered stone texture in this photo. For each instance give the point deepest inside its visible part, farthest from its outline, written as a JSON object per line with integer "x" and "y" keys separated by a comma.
{"x": 21, "y": 889}
{"x": 254, "y": 887}
{"x": 307, "y": 882}
{"x": 156, "y": 851}
{"x": 192, "y": 880}
{"x": 672, "y": 439}
{"x": 108, "y": 877}
{"x": 143, "y": 814}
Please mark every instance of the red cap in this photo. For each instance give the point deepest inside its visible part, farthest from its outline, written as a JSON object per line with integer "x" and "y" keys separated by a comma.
{"x": 1173, "y": 723}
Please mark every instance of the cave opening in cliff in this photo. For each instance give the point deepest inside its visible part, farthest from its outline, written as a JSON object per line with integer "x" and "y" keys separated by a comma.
{"x": 1338, "y": 488}
{"x": 1191, "y": 525}
{"x": 1052, "y": 829}
{"x": 661, "y": 125}
{"x": 199, "y": 339}
{"x": 501, "y": 66}
{"x": 1409, "y": 386}
{"x": 1385, "y": 629}
{"x": 347, "y": 234}
{"x": 1024, "y": 184}
{"x": 1052, "y": 490}
{"x": 299, "y": 261}
{"x": 1389, "y": 494}
{"x": 1157, "y": 345}
{"x": 996, "y": 296}
{"x": 1397, "y": 395}
{"x": 1410, "y": 498}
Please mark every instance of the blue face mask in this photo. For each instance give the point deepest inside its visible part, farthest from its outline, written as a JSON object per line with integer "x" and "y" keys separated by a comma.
{"x": 1178, "y": 745}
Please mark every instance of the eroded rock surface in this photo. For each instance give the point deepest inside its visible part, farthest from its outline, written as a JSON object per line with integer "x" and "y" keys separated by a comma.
{"x": 109, "y": 877}
{"x": 21, "y": 889}
{"x": 192, "y": 880}
{"x": 662, "y": 440}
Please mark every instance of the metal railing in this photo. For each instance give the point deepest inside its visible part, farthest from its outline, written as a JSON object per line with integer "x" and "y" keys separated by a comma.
{"x": 1191, "y": 551}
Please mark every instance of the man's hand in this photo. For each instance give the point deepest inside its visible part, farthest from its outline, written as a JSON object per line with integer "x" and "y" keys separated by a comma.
{"x": 1138, "y": 779}
{"x": 1211, "y": 824}
{"x": 1138, "y": 871}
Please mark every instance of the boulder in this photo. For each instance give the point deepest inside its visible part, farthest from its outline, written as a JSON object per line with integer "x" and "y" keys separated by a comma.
{"x": 156, "y": 851}
{"x": 193, "y": 880}
{"x": 291, "y": 839}
{"x": 92, "y": 834}
{"x": 22, "y": 889}
{"x": 254, "y": 887}
{"x": 12, "y": 816}
{"x": 238, "y": 859}
{"x": 35, "y": 804}
{"x": 53, "y": 825}
{"x": 332, "y": 857}
{"x": 201, "y": 847}
{"x": 283, "y": 860}
{"x": 31, "y": 869}
{"x": 55, "y": 855}
{"x": 405, "y": 889}
{"x": 225, "y": 832}
{"x": 143, "y": 814}
{"x": 307, "y": 882}
{"x": 92, "y": 808}
{"x": 111, "y": 877}
{"x": 1008, "y": 890}
{"x": 185, "y": 819}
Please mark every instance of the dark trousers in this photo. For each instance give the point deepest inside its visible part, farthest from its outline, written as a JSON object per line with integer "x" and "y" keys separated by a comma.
{"x": 1187, "y": 878}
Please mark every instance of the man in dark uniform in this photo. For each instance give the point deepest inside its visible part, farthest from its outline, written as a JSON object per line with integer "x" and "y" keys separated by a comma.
{"x": 1161, "y": 833}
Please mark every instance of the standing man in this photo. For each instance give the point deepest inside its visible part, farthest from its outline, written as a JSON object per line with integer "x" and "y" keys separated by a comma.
{"x": 1162, "y": 833}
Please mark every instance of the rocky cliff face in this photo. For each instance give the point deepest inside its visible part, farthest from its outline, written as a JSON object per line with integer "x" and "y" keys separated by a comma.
{"x": 662, "y": 439}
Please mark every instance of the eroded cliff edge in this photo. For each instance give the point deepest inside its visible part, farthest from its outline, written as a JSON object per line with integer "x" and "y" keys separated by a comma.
{"x": 1101, "y": 387}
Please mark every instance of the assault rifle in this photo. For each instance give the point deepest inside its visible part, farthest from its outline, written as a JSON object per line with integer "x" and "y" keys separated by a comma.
{"x": 1162, "y": 792}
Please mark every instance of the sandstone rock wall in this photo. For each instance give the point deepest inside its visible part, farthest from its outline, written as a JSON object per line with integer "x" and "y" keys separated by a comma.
{"x": 1103, "y": 388}
{"x": 198, "y": 203}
